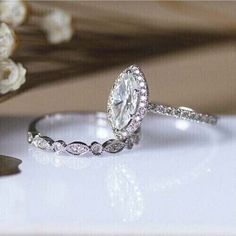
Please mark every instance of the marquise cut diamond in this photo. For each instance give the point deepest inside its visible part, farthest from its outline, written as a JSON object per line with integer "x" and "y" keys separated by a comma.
{"x": 124, "y": 100}
{"x": 77, "y": 148}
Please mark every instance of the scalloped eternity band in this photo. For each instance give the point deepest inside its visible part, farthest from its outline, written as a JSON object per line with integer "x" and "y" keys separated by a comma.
{"x": 128, "y": 104}
{"x": 77, "y": 148}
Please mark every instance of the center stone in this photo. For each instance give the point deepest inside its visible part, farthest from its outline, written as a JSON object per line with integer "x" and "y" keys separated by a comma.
{"x": 124, "y": 100}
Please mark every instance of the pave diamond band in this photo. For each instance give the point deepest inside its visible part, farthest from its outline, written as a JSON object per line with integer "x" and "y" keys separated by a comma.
{"x": 77, "y": 147}
{"x": 182, "y": 113}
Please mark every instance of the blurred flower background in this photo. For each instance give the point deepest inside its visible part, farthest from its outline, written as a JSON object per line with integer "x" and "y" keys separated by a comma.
{"x": 74, "y": 50}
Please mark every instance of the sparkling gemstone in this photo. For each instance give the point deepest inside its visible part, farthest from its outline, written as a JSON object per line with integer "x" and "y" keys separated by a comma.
{"x": 129, "y": 143}
{"x": 113, "y": 146}
{"x": 124, "y": 100}
{"x": 42, "y": 142}
{"x": 77, "y": 148}
{"x": 59, "y": 146}
{"x": 96, "y": 148}
{"x": 142, "y": 111}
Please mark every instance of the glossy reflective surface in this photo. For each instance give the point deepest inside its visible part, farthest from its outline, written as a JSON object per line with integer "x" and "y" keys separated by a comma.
{"x": 180, "y": 179}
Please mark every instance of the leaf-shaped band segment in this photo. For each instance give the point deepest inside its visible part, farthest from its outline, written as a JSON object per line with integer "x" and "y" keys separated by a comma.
{"x": 113, "y": 146}
{"x": 77, "y": 148}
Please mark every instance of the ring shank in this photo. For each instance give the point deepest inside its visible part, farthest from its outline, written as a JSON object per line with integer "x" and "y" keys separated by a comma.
{"x": 77, "y": 147}
{"x": 182, "y": 113}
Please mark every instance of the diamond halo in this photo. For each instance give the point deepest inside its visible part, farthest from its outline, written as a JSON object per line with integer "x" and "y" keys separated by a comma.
{"x": 132, "y": 79}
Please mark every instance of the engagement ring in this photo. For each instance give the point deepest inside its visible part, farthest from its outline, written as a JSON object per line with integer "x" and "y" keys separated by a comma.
{"x": 128, "y": 104}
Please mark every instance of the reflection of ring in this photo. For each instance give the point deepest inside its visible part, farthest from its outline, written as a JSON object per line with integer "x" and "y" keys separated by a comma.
{"x": 77, "y": 147}
{"x": 128, "y": 104}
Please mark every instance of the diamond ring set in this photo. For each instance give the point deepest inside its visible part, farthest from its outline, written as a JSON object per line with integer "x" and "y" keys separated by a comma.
{"x": 127, "y": 105}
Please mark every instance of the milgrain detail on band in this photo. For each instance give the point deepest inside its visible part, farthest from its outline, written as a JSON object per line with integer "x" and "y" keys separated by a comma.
{"x": 182, "y": 113}
{"x": 79, "y": 148}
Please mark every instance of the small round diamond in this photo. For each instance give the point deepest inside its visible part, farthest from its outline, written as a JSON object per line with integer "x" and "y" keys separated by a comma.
{"x": 129, "y": 143}
{"x": 142, "y": 84}
{"x": 119, "y": 136}
{"x": 142, "y": 111}
{"x": 161, "y": 109}
{"x": 177, "y": 112}
{"x": 137, "y": 118}
{"x": 142, "y": 104}
{"x": 143, "y": 98}
{"x": 96, "y": 148}
{"x": 59, "y": 146}
{"x": 168, "y": 110}
{"x": 133, "y": 126}
{"x": 198, "y": 117}
{"x": 124, "y": 134}
{"x": 143, "y": 92}
{"x": 140, "y": 78}
{"x": 204, "y": 118}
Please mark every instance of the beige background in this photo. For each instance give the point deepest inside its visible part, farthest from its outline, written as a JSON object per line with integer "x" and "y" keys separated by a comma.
{"x": 202, "y": 77}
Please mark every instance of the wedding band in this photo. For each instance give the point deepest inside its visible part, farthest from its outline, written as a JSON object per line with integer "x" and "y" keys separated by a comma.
{"x": 77, "y": 147}
{"x": 128, "y": 104}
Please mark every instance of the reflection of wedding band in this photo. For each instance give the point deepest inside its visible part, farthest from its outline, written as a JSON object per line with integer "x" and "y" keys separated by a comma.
{"x": 77, "y": 147}
{"x": 128, "y": 104}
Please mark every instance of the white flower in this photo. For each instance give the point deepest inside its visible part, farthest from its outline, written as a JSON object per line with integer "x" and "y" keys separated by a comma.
{"x": 7, "y": 41}
{"x": 12, "y": 76}
{"x": 13, "y": 12}
{"x": 58, "y": 26}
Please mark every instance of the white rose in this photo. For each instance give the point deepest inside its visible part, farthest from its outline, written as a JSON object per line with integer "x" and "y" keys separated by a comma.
{"x": 58, "y": 26}
{"x": 7, "y": 41}
{"x": 12, "y": 76}
{"x": 13, "y": 12}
